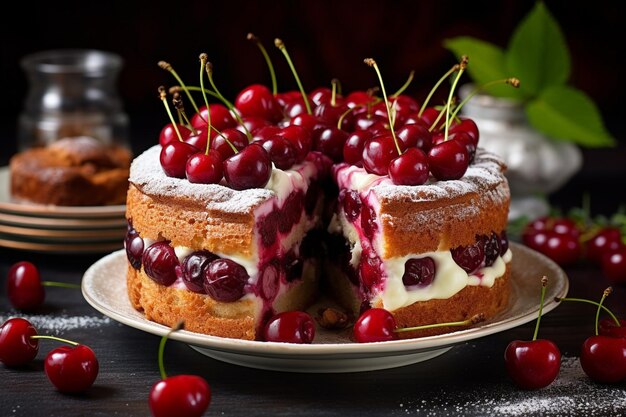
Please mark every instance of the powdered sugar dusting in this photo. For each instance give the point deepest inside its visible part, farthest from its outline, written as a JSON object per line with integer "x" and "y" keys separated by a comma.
{"x": 58, "y": 324}
{"x": 571, "y": 394}
{"x": 486, "y": 172}
{"x": 147, "y": 175}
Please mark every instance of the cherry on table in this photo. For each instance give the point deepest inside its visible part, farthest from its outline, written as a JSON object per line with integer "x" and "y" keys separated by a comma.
{"x": 180, "y": 395}
{"x": 17, "y": 347}
{"x": 614, "y": 265}
{"x": 24, "y": 288}
{"x": 71, "y": 368}
{"x": 533, "y": 364}
{"x": 606, "y": 240}
{"x": 290, "y": 327}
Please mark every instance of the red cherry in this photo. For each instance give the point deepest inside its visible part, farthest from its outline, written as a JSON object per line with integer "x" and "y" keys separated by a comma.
{"x": 467, "y": 141}
{"x": 168, "y": 134}
{"x": 220, "y": 143}
{"x": 375, "y": 325}
{"x": 351, "y": 202}
{"x": 180, "y": 395}
{"x": 301, "y": 139}
{"x": 469, "y": 127}
{"x": 224, "y": 280}
{"x": 205, "y": 168}
{"x": 330, "y": 141}
{"x": 358, "y": 99}
{"x": 410, "y": 168}
{"x": 288, "y": 97}
{"x": 290, "y": 327}
{"x": 159, "y": 263}
{"x": 364, "y": 121}
{"x": 378, "y": 152}
{"x": 353, "y": 148}
{"x": 419, "y": 271}
{"x": 414, "y": 136}
{"x": 330, "y": 114}
{"x": 532, "y": 364}
{"x": 606, "y": 240}
{"x": 221, "y": 118}
{"x": 71, "y": 369}
{"x": 321, "y": 95}
{"x": 469, "y": 257}
{"x": 24, "y": 287}
{"x": 561, "y": 248}
{"x": 257, "y": 101}
{"x": 199, "y": 140}
{"x": 174, "y": 158}
{"x": 603, "y": 358}
{"x": 194, "y": 267}
{"x": 429, "y": 116}
{"x": 16, "y": 345}
{"x": 134, "y": 245}
{"x": 265, "y": 132}
{"x": 448, "y": 160}
{"x": 614, "y": 265}
{"x": 295, "y": 108}
{"x": 250, "y": 168}
{"x": 252, "y": 124}
{"x": 608, "y": 327}
{"x": 281, "y": 151}
{"x": 308, "y": 121}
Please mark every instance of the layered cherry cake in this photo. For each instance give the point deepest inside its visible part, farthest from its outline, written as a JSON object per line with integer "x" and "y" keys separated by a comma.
{"x": 251, "y": 243}
{"x": 234, "y": 214}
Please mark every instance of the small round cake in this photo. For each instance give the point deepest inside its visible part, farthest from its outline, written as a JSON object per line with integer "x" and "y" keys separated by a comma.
{"x": 76, "y": 171}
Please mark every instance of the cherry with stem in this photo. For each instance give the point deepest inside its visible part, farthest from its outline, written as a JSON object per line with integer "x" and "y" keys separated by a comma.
{"x": 186, "y": 395}
{"x": 281, "y": 45}
{"x": 533, "y": 364}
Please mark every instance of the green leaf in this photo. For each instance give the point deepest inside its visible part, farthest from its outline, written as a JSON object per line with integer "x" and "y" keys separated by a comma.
{"x": 537, "y": 53}
{"x": 486, "y": 64}
{"x": 486, "y": 61}
{"x": 566, "y": 113}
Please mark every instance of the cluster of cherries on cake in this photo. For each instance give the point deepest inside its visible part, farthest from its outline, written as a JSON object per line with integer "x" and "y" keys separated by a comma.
{"x": 238, "y": 145}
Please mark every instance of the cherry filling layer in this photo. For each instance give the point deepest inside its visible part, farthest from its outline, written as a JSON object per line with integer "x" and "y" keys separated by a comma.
{"x": 220, "y": 278}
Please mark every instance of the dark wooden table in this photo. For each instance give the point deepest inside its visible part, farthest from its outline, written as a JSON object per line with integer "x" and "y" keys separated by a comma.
{"x": 470, "y": 379}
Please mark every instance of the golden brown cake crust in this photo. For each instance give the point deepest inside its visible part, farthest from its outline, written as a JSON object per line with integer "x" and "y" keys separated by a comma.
{"x": 202, "y": 314}
{"x": 468, "y": 302}
{"x": 63, "y": 176}
{"x": 186, "y": 222}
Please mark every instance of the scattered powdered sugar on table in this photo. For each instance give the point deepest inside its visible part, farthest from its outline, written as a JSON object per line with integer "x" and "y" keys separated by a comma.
{"x": 61, "y": 323}
{"x": 571, "y": 394}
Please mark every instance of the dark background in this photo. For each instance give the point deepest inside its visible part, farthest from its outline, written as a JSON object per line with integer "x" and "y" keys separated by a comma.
{"x": 325, "y": 38}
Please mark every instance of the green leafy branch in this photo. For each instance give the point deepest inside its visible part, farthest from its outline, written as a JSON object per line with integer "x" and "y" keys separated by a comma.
{"x": 538, "y": 55}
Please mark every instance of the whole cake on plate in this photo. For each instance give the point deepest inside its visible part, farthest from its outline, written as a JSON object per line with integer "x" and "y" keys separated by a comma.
{"x": 247, "y": 211}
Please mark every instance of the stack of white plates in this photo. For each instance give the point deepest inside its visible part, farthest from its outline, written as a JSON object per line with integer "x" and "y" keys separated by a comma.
{"x": 58, "y": 229}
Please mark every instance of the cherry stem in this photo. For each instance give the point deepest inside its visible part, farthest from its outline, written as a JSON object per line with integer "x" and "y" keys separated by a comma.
{"x": 462, "y": 66}
{"x": 180, "y": 325}
{"x": 544, "y": 284}
{"x": 59, "y": 284}
{"x": 203, "y": 59}
{"x": 605, "y": 294}
{"x": 436, "y": 122}
{"x": 372, "y": 63}
{"x": 177, "y": 88}
{"x": 168, "y": 67}
{"x": 209, "y": 70}
{"x": 472, "y": 320}
{"x": 405, "y": 85}
{"x": 58, "y": 339}
{"x": 163, "y": 97}
{"x": 177, "y": 101}
{"x": 338, "y": 83}
{"x": 257, "y": 41}
{"x": 595, "y": 303}
{"x": 454, "y": 68}
{"x": 510, "y": 81}
{"x": 333, "y": 94}
{"x": 281, "y": 45}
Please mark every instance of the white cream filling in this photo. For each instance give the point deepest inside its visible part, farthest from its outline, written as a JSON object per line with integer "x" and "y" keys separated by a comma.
{"x": 449, "y": 279}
